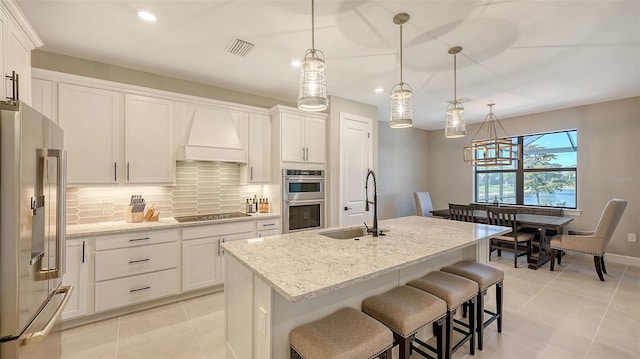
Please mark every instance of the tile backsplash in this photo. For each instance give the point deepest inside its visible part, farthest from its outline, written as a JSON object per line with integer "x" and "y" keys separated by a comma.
{"x": 201, "y": 187}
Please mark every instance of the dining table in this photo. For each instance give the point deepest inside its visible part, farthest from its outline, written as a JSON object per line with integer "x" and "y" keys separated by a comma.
{"x": 540, "y": 251}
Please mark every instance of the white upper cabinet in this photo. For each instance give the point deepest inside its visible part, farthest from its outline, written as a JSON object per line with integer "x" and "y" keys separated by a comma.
{"x": 302, "y": 135}
{"x": 148, "y": 140}
{"x": 292, "y": 136}
{"x": 105, "y": 147}
{"x": 17, "y": 40}
{"x": 314, "y": 137}
{"x": 259, "y": 164}
{"x": 42, "y": 98}
{"x": 90, "y": 119}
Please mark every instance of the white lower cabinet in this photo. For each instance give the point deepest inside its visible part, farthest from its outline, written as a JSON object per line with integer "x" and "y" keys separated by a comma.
{"x": 202, "y": 264}
{"x": 77, "y": 272}
{"x": 131, "y": 290}
{"x": 268, "y": 227}
{"x": 135, "y": 267}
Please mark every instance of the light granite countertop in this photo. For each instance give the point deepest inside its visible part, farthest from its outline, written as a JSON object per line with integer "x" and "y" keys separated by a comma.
{"x": 306, "y": 264}
{"x": 102, "y": 228}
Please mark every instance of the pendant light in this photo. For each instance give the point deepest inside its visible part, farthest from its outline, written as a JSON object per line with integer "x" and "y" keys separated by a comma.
{"x": 493, "y": 150}
{"x": 401, "y": 93}
{"x": 455, "y": 126}
{"x": 312, "y": 87}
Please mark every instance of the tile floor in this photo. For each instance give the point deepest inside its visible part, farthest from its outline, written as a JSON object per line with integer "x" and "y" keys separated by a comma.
{"x": 568, "y": 314}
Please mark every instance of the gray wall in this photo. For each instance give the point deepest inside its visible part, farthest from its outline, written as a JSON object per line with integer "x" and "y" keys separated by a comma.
{"x": 81, "y": 67}
{"x": 403, "y": 165}
{"x": 608, "y": 162}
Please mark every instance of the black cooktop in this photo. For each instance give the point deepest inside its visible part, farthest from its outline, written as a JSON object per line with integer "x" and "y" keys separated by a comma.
{"x": 211, "y": 217}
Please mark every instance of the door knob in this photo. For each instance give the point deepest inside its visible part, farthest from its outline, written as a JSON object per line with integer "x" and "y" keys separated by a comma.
{"x": 347, "y": 208}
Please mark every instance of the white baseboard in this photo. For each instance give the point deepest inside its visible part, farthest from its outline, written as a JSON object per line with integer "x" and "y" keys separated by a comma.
{"x": 620, "y": 259}
{"x": 612, "y": 258}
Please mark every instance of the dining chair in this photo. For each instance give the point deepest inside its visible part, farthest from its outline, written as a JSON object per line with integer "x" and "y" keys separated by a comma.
{"x": 516, "y": 242}
{"x": 591, "y": 242}
{"x": 461, "y": 212}
{"x": 423, "y": 204}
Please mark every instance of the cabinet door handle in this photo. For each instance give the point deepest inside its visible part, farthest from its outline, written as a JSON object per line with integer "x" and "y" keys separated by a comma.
{"x": 139, "y": 260}
{"x": 83, "y": 243}
{"x": 251, "y": 173}
{"x": 14, "y": 86}
{"x": 222, "y": 249}
{"x": 139, "y": 239}
{"x": 303, "y": 155}
{"x": 139, "y": 289}
{"x": 115, "y": 172}
{"x": 218, "y": 248}
{"x": 268, "y": 224}
{"x": 128, "y": 170}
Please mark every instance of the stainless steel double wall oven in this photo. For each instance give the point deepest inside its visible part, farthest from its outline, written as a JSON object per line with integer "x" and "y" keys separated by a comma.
{"x": 303, "y": 197}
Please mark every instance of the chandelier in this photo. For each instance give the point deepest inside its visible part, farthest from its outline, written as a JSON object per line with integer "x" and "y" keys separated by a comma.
{"x": 493, "y": 150}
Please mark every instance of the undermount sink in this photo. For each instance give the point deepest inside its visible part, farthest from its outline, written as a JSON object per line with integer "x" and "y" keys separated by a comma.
{"x": 347, "y": 233}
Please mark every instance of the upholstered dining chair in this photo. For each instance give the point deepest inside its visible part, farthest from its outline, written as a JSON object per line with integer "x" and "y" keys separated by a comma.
{"x": 591, "y": 242}
{"x": 423, "y": 204}
{"x": 461, "y": 212}
{"x": 516, "y": 242}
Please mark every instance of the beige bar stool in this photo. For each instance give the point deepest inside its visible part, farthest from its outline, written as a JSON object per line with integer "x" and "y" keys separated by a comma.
{"x": 346, "y": 334}
{"x": 455, "y": 291}
{"x": 485, "y": 276}
{"x": 406, "y": 310}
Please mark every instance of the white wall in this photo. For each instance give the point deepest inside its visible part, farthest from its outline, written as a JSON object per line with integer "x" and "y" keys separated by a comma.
{"x": 338, "y": 105}
{"x": 608, "y": 162}
{"x": 403, "y": 165}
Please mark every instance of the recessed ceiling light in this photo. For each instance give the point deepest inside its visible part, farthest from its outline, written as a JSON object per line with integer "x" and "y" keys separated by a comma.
{"x": 379, "y": 89}
{"x": 295, "y": 63}
{"x": 146, "y": 16}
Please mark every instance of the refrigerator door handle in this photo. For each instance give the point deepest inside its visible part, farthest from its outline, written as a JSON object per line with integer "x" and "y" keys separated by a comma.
{"x": 34, "y": 337}
{"x": 61, "y": 155}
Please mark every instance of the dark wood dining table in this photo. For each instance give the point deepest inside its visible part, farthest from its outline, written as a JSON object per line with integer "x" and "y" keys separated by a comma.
{"x": 540, "y": 252}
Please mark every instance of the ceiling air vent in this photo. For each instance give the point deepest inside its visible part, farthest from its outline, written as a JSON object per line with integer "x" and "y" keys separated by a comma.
{"x": 239, "y": 47}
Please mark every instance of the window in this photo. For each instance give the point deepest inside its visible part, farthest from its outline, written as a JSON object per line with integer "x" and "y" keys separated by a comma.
{"x": 545, "y": 175}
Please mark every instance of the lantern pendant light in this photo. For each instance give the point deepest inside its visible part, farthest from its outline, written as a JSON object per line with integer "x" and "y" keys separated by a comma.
{"x": 455, "y": 126}
{"x": 312, "y": 86}
{"x": 401, "y": 93}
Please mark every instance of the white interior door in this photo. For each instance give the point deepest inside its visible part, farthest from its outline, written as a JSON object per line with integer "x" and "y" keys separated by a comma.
{"x": 355, "y": 160}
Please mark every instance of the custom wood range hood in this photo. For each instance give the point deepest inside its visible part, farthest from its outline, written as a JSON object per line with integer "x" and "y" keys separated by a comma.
{"x": 214, "y": 135}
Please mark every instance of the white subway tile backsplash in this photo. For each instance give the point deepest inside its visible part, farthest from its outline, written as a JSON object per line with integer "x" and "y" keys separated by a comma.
{"x": 201, "y": 187}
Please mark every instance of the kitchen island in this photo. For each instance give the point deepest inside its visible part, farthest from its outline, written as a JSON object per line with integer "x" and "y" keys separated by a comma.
{"x": 276, "y": 283}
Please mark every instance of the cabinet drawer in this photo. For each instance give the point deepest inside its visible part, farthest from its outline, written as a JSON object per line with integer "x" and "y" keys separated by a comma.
{"x": 137, "y": 260}
{"x": 267, "y": 224}
{"x": 131, "y": 290}
{"x": 135, "y": 239}
{"x": 268, "y": 232}
{"x": 216, "y": 230}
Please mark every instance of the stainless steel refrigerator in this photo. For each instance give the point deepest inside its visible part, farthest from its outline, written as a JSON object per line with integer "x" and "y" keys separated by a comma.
{"x": 32, "y": 233}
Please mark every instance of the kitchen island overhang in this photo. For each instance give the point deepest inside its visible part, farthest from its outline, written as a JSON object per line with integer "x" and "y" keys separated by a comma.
{"x": 276, "y": 283}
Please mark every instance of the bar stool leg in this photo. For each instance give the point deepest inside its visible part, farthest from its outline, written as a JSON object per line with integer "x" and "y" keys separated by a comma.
{"x": 472, "y": 327}
{"x": 404, "y": 347}
{"x": 499, "y": 305}
{"x": 448, "y": 350}
{"x": 438, "y": 333}
{"x": 480, "y": 317}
